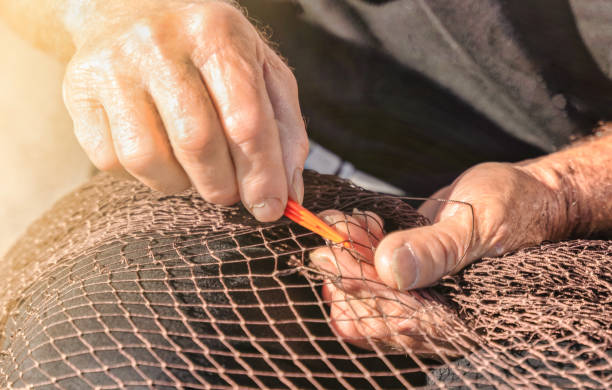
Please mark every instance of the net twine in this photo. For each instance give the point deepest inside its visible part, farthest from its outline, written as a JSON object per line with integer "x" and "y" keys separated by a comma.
{"x": 119, "y": 287}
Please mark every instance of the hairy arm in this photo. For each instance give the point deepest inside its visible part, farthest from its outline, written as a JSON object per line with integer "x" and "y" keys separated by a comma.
{"x": 582, "y": 177}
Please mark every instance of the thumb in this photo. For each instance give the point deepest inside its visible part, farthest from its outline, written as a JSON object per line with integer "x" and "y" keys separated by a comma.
{"x": 419, "y": 257}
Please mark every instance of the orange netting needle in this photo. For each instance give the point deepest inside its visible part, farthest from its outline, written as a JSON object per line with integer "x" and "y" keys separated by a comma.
{"x": 305, "y": 218}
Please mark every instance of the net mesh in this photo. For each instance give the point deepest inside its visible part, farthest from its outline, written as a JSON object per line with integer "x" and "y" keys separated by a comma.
{"x": 120, "y": 287}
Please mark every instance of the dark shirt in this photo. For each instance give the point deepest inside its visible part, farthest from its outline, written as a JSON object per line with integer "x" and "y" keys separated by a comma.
{"x": 416, "y": 91}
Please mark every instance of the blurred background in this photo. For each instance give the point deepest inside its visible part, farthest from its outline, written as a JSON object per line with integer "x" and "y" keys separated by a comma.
{"x": 40, "y": 159}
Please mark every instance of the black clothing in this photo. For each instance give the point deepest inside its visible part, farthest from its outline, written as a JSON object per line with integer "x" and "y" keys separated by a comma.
{"x": 416, "y": 91}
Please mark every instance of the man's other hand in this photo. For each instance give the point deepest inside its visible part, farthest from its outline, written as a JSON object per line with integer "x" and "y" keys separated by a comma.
{"x": 511, "y": 208}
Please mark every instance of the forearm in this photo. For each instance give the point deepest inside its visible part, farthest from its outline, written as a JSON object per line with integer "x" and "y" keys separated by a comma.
{"x": 581, "y": 175}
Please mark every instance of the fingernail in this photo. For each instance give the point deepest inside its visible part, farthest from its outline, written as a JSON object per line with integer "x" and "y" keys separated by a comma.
{"x": 298, "y": 185}
{"x": 266, "y": 210}
{"x": 404, "y": 267}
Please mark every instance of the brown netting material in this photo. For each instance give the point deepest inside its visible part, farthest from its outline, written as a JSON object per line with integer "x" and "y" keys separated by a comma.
{"x": 119, "y": 287}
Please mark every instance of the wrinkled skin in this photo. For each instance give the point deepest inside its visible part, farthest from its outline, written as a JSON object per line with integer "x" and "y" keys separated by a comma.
{"x": 178, "y": 93}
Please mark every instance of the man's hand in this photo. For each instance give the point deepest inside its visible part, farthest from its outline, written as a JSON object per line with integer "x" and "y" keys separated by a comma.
{"x": 514, "y": 205}
{"x": 176, "y": 93}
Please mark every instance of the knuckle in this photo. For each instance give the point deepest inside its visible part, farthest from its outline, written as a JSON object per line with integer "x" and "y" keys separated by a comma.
{"x": 76, "y": 80}
{"x": 224, "y": 14}
{"x": 86, "y": 77}
{"x": 193, "y": 143}
{"x": 146, "y": 43}
{"x": 144, "y": 31}
{"x": 91, "y": 62}
{"x": 229, "y": 32}
{"x": 81, "y": 101}
{"x": 244, "y": 127}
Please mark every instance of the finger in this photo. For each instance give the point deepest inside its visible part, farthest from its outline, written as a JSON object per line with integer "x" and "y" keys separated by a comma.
{"x": 419, "y": 257}
{"x": 430, "y": 208}
{"x": 354, "y": 320}
{"x": 195, "y": 132}
{"x": 353, "y": 268}
{"x": 336, "y": 261}
{"x": 92, "y": 130}
{"x": 371, "y": 222}
{"x": 359, "y": 238}
{"x": 283, "y": 92}
{"x": 140, "y": 140}
{"x": 362, "y": 308}
{"x": 234, "y": 79}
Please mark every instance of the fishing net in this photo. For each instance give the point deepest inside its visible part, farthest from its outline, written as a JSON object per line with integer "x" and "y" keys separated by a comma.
{"x": 120, "y": 287}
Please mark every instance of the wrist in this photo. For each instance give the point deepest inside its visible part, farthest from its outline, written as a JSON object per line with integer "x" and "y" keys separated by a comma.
{"x": 562, "y": 211}
{"x": 581, "y": 179}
